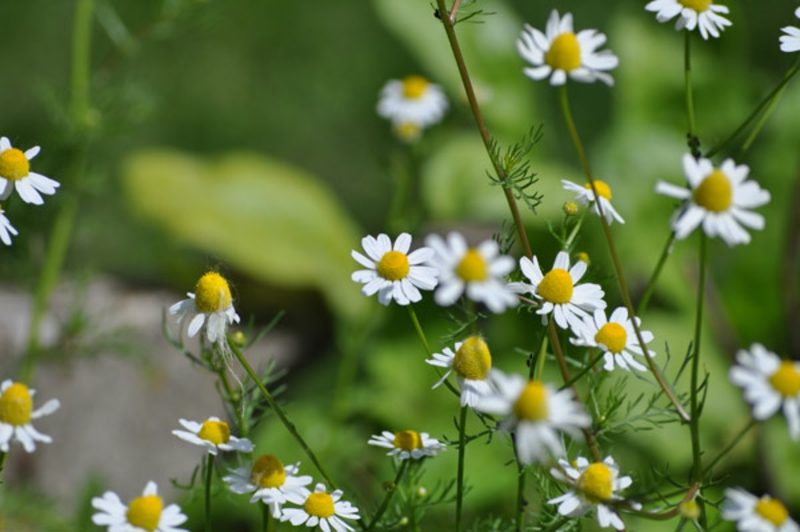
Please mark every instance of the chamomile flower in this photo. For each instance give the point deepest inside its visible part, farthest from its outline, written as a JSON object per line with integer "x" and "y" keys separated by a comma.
{"x": 213, "y": 434}
{"x": 320, "y": 508}
{"x": 768, "y": 384}
{"x": 704, "y": 15}
{"x": 585, "y": 196}
{"x": 615, "y": 336}
{"x": 16, "y": 413}
{"x": 142, "y": 514}
{"x": 211, "y": 305}
{"x": 411, "y": 104}
{"x": 560, "y": 52}
{"x": 536, "y": 412}
{"x": 268, "y": 480}
{"x": 472, "y": 362}
{"x": 477, "y": 271}
{"x": 15, "y": 172}
{"x": 754, "y": 514}
{"x": 559, "y": 291}
{"x": 720, "y": 199}
{"x": 593, "y": 485}
{"x": 392, "y": 272}
{"x": 407, "y": 444}
{"x": 6, "y": 229}
{"x": 790, "y": 42}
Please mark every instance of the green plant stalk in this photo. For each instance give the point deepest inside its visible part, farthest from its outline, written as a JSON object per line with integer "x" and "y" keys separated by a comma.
{"x": 389, "y": 494}
{"x": 281, "y": 414}
{"x": 266, "y": 518}
{"x": 694, "y": 424}
{"x": 578, "y": 376}
{"x": 651, "y": 283}
{"x": 519, "y": 522}
{"x": 620, "y": 275}
{"x": 574, "y": 233}
{"x": 3, "y": 457}
{"x": 687, "y": 69}
{"x": 425, "y": 345}
{"x": 734, "y": 442}
{"x": 462, "y": 447}
{"x": 538, "y": 370}
{"x": 762, "y": 120}
{"x": 209, "y": 477}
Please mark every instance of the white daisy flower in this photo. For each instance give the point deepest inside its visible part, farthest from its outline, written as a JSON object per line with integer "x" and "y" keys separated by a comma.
{"x": 593, "y": 484}
{"x": 320, "y": 508}
{"x": 753, "y": 514}
{"x": 408, "y": 444}
{"x": 559, "y": 290}
{"x": 268, "y": 480}
{"x": 392, "y": 272}
{"x": 719, "y": 198}
{"x": 585, "y": 196}
{"x": 142, "y": 514}
{"x": 211, "y": 305}
{"x": 768, "y": 384}
{"x": 705, "y": 15}
{"x": 615, "y": 336}
{"x": 214, "y": 435}
{"x": 536, "y": 412}
{"x": 16, "y": 413}
{"x": 15, "y": 172}
{"x": 791, "y": 41}
{"x": 472, "y": 362}
{"x": 412, "y": 104}
{"x": 479, "y": 272}
{"x": 559, "y": 52}
{"x": 6, "y": 229}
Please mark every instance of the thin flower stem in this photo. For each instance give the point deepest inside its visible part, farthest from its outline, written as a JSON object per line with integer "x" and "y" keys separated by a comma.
{"x": 762, "y": 120}
{"x": 425, "y": 345}
{"x": 578, "y": 376}
{"x": 281, "y": 414}
{"x": 687, "y": 69}
{"x": 481, "y": 124}
{"x": 266, "y": 518}
{"x": 389, "y": 494}
{"x": 734, "y": 442}
{"x": 209, "y": 477}
{"x": 694, "y": 424}
{"x": 651, "y": 284}
{"x": 669, "y": 514}
{"x": 540, "y": 360}
{"x": 462, "y": 447}
{"x": 519, "y": 522}
{"x": 623, "y": 287}
{"x": 454, "y": 11}
{"x": 3, "y": 457}
{"x": 574, "y": 233}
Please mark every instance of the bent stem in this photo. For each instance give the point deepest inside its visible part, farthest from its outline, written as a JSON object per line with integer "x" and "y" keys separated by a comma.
{"x": 209, "y": 476}
{"x": 462, "y": 443}
{"x": 389, "y": 494}
{"x": 694, "y": 424}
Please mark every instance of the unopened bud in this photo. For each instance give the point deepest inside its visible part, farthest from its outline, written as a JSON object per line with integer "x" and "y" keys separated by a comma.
{"x": 570, "y": 208}
{"x": 422, "y": 492}
{"x": 689, "y": 509}
{"x": 583, "y": 257}
{"x": 239, "y": 338}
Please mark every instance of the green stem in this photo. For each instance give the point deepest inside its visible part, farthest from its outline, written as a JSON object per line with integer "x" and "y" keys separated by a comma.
{"x": 425, "y": 345}
{"x": 687, "y": 69}
{"x": 724, "y": 452}
{"x": 281, "y": 414}
{"x": 762, "y": 120}
{"x": 694, "y": 424}
{"x": 401, "y": 165}
{"x": 521, "y": 502}
{"x": 3, "y": 457}
{"x": 266, "y": 518}
{"x": 574, "y": 233}
{"x": 575, "y": 378}
{"x": 462, "y": 447}
{"x": 538, "y": 372}
{"x": 389, "y": 494}
{"x": 209, "y": 477}
{"x": 651, "y": 284}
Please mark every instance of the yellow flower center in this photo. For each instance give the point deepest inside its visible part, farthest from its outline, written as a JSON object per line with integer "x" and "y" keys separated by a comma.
{"x": 16, "y": 405}
{"x": 556, "y": 287}
{"x": 596, "y": 482}
{"x": 473, "y": 359}
{"x": 715, "y": 193}
{"x": 772, "y": 510}
{"x": 531, "y": 405}
{"x": 603, "y": 190}
{"x": 613, "y": 336}
{"x": 697, "y": 5}
{"x": 268, "y": 472}
{"x": 786, "y": 380}
{"x": 564, "y": 53}
{"x": 145, "y": 512}
{"x": 473, "y": 267}
{"x": 214, "y": 431}
{"x": 319, "y": 504}
{"x": 212, "y": 293}
{"x": 13, "y": 164}
{"x": 408, "y": 440}
{"x": 393, "y": 266}
{"x": 414, "y": 87}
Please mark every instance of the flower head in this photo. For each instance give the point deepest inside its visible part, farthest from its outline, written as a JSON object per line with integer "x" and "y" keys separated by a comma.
{"x": 790, "y": 42}
{"x": 407, "y": 444}
{"x": 6, "y": 229}
{"x": 412, "y": 104}
{"x": 15, "y": 172}
{"x": 392, "y": 272}
{"x": 472, "y": 362}
{"x": 319, "y": 508}
{"x": 268, "y": 480}
{"x": 214, "y": 435}
{"x": 16, "y": 413}
{"x": 585, "y": 196}
{"x": 720, "y": 199}
{"x": 704, "y": 15}
{"x": 536, "y": 412}
{"x": 211, "y": 305}
{"x": 560, "y": 52}
{"x": 768, "y": 384}
{"x": 754, "y": 514}
{"x": 145, "y": 513}
{"x": 615, "y": 336}
{"x": 477, "y": 271}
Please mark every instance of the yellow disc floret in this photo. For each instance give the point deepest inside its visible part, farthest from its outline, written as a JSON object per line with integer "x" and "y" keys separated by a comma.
{"x": 715, "y": 193}
{"x": 564, "y": 53}
{"x": 603, "y": 190}
{"x": 772, "y": 510}
{"x": 13, "y": 164}
{"x": 212, "y": 293}
{"x": 215, "y": 431}
{"x": 16, "y": 405}
{"x": 268, "y": 472}
{"x": 613, "y": 336}
{"x": 414, "y": 87}
{"x": 393, "y": 266}
{"x": 556, "y": 287}
{"x": 408, "y": 440}
{"x": 531, "y": 405}
{"x": 596, "y": 482}
{"x": 473, "y": 267}
{"x": 786, "y": 380}
{"x": 473, "y": 359}
{"x": 697, "y": 5}
{"x": 319, "y": 504}
{"x": 145, "y": 512}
